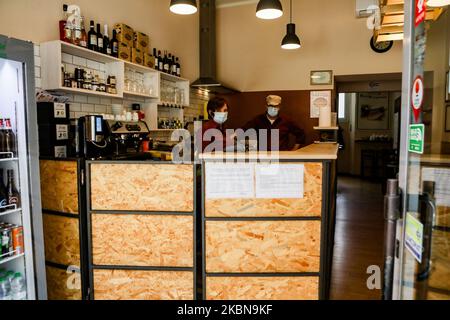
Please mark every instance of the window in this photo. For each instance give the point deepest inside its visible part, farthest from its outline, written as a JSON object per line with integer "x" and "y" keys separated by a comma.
{"x": 341, "y": 106}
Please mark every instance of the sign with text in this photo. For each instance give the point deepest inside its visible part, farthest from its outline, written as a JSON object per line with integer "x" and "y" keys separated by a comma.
{"x": 414, "y": 237}
{"x": 416, "y": 139}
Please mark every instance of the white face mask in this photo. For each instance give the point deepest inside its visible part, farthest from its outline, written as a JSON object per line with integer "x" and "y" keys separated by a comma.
{"x": 220, "y": 117}
{"x": 273, "y": 112}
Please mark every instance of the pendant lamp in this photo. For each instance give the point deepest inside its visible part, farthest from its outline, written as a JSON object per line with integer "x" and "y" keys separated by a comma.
{"x": 291, "y": 40}
{"x": 183, "y": 7}
{"x": 269, "y": 9}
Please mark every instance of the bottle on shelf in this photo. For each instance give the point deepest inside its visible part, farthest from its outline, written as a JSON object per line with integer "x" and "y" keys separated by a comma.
{"x": 2, "y": 138}
{"x": 69, "y": 31}
{"x": 13, "y": 194}
{"x": 166, "y": 63}
{"x": 169, "y": 62}
{"x": 160, "y": 61}
{"x": 62, "y": 26}
{"x": 178, "y": 68}
{"x": 106, "y": 46}
{"x": 83, "y": 37}
{"x": 114, "y": 44}
{"x": 99, "y": 39}
{"x": 5, "y": 289}
{"x": 9, "y": 138}
{"x": 3, "y": 193}
{"x": 156, "y": 59}
{"x": 174, "y": 66}
{"x": 92, "y": 37}
{"x": 18, "y": 287}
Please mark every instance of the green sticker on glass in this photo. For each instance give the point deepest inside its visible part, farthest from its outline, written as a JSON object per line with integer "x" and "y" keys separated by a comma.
{"x": 416, "y": 140}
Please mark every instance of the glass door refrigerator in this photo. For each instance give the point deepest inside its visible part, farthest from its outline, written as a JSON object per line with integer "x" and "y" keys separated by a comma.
{"x": 22, "y": 265}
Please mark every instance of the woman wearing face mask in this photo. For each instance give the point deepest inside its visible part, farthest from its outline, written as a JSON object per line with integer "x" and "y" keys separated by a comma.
{"x": 273, "y": 120}
{"x": 218, "y": 114}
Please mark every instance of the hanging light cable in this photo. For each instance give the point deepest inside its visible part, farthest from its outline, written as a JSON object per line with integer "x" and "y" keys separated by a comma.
{"x": 183, "y": 7}
{"x": 290, "y": 40}
{"x": 269, "y": 9}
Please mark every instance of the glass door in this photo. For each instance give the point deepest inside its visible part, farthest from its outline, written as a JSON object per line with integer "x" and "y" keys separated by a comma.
{"x": 423, "y": 258}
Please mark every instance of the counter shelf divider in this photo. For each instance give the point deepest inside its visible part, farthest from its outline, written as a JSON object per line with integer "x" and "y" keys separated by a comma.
{"x": 91, "y": 212}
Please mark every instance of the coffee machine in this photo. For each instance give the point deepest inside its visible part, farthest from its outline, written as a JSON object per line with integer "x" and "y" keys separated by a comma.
{"x": 91, "y": 139}
{"x": 126, "y": 139}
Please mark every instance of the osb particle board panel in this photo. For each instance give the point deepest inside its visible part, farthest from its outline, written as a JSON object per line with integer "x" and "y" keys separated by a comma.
{"x": 59, "y": 186}
{"x": 143, "y": 285}
{"x": 438, "y": 296}
{"x": 262, "y": 288}
{"x": 440, "y": 266}
{"x": 63, "y": 286}
{"x": 255, "y": 247}
{"x": 142, "y": 240}
{"x": 62, "y": 242}
{"x": 443, "y": 216}
{"x": 142, "y": 187}
{"x": 309, "y": 206}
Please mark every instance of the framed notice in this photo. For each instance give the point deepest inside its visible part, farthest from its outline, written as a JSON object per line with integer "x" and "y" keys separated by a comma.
{"x": 321, "y": 77}
{"x": 319, "y": 99}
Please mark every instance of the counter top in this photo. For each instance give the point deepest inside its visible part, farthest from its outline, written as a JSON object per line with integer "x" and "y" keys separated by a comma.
{"x": 318, "y": 151}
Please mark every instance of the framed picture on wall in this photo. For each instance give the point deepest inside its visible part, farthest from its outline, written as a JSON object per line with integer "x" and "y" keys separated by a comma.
{"x": 373, "y": 111}
{"x": 447, "y": 118}
{"x": 321, "y": 77}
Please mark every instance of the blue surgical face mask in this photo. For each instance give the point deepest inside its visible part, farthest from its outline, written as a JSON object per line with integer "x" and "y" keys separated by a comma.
{"x": 273, "y": 112}
{"x": 220, "y": 117}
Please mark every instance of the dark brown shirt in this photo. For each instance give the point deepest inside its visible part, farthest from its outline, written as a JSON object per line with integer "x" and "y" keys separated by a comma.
{"x": 286, "y": 128}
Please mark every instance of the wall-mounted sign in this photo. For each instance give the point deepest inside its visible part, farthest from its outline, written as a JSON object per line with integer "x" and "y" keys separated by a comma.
{"x": 319, "y": 99}
{"x": 416, "y": 139}
{"x": 322, "y": 77}
{"x": 421, "y": 11}
{"x": 417, "y": 97}
{"x": 414, "y": 237}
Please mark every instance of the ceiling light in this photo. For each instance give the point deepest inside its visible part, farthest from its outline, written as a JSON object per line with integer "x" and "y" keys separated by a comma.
{"x": 291, "y": 41}
{"x": 269, "y": 9}
{"x": 438, "y": 3}
{"x": 183, "y": 7}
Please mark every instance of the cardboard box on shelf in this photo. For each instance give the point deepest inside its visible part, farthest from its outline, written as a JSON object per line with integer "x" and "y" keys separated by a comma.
{"x": 124, "y": 51}
{"x": 149, "y": 60}
{"x": 125, "y": 33}
{"x": 142, "y": 41}
{"x": 137, "y": 56}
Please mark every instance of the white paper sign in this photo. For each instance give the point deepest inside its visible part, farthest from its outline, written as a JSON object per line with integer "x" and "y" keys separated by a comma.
{"x": 319, "y": 99}
{"x": 441, "y": 176}
{"x": 229, "y": 181}
{"x": 278, "y": 181}
{"x": 60, "y": 110}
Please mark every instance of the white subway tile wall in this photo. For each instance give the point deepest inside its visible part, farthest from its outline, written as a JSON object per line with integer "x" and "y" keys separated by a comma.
{"x": 81, "y": 105}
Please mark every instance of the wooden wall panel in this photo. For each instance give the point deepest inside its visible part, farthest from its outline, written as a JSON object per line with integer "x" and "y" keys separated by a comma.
{"x": 443, "y": 216}
{"x": 62, "y": 241}
{"x": 142, "y": 240}
{"x": 309, "y": 206}
{"x": 59, "y": 186}
{"x": 57, "y": 285}
{"x": 272, "y": 246}
{"x": 440, "y": 267}
{"x": 142, "y": 187}
{"x": 262, "y": 288}
{"x": 143, "y": 285}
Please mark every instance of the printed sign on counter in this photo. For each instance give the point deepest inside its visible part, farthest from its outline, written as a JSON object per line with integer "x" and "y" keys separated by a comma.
{"x": 319, "y": 99}
{"x": 229, "y": 181}
{"x": 414, "y": 237}
{"x": 278, "y": 181}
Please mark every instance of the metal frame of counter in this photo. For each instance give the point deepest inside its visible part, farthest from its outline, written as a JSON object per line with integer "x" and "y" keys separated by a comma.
{"x": 143, "y": 272}
{"x": 262, "y": 284}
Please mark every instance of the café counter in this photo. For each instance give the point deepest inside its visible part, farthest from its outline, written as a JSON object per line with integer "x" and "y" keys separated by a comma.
{"x": 262, "y": 247}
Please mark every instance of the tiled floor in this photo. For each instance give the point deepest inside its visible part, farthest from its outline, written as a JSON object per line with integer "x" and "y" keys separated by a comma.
{"x": 358, "y": 240}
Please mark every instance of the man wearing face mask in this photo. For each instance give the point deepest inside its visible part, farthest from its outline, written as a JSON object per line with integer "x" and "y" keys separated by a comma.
{"x": 272, "y": 120}
{"x": 218, "y": 114}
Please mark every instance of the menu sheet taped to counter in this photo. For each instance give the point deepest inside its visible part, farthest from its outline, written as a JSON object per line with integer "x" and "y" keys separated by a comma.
{"x": 229, "y": 181}
{"x": 261, "y": 181}
{"x": 276, "y": 181}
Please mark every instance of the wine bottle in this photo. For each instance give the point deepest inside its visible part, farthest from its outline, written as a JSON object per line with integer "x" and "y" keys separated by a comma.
{"x": 9, "y": 138}
{"x": 166, "y": 63}
{"x": 62, "y": 26}
{"x": 114, "y": 45}
{"x": 83, "y": 38}
{"x": 160, "y": 61}
{"x": 106, "y": 46}
{"x": 174, "y": 66}
{"x": 99, "y": 39}
{"x": 13, "y": 194}
{"x": 169, "y": 63}
{"x": 178, "y": 68}
{"x": 156, "y": 59}
{"x": 92, "y": 38}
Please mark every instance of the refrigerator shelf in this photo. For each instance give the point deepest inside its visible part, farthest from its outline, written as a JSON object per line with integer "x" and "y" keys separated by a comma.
{"x": 9, "y": 159}
{"x": 12, "y": 211}
{"x": 11, "y": 258}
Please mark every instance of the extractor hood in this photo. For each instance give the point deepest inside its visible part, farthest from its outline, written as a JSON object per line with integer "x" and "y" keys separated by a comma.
{"x": 208, "y": 80}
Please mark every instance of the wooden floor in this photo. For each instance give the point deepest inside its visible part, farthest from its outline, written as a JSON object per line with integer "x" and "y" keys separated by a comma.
{"x": 358, "y": 240}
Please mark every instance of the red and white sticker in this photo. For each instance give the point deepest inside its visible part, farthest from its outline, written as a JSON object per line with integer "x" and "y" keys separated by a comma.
{"x": 417, "y": 96}
{"x": 421, "y": 11}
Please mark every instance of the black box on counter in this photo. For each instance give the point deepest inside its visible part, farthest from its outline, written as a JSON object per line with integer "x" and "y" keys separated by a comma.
{"x": 53, "y": 113}
{"x": 54, "y": 140}
{"x": 55, "y": 151}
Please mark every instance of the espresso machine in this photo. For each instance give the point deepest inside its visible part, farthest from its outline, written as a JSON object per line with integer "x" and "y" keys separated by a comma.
{"x": 126, "y": 139}
{"x": 90, "y": 137}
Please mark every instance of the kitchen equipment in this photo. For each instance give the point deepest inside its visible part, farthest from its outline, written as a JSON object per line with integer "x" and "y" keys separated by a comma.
{"x": 93, "y": 142}
{"x": 127, "y": 139}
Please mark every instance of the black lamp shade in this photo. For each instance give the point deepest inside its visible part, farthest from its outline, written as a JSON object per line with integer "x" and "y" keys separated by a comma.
{"x": 269, "y": 9}
{"x": 291, "y": 41}
{"x": 183, "y": 7}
